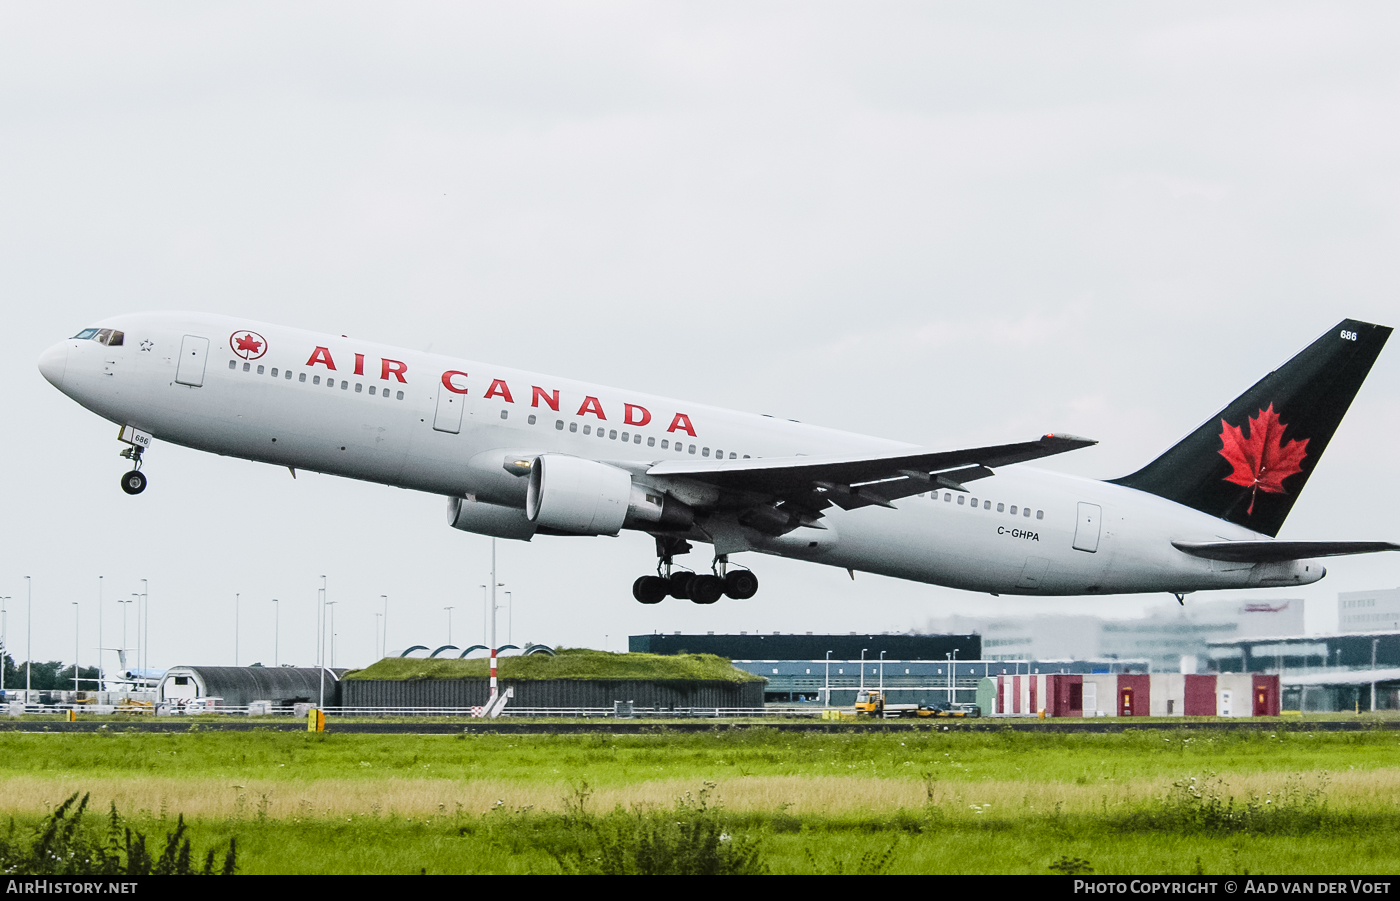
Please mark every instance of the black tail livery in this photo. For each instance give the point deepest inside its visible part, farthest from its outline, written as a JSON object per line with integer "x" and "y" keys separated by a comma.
{"x": 1249, "y": 462}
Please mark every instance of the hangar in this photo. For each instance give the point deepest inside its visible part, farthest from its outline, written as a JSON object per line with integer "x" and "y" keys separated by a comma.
{"x": 240, "y": 686}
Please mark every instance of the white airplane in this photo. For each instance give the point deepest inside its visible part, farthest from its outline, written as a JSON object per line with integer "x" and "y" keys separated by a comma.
{"x": 520, "y": 454}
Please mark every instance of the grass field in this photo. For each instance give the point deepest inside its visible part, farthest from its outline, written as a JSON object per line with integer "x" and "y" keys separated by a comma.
{"x": 1288, "y": 801}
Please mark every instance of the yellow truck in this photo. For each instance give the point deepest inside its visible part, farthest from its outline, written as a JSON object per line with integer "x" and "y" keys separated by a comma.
{"x": 871, "y": 702}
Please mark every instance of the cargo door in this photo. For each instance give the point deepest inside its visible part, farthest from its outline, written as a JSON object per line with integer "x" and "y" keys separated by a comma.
{"x": 194, "y": 353}
{"x": 448, "y": 417}
{"x": 1086, "y": 529}
{"x": 1033, "y": 573}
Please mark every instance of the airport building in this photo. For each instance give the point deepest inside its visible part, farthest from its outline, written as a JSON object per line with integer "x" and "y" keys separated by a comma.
{"x": 1171, "y": 637}
{"x": 1369, "y": 611}
{"x": 1131, "y": 694}
{"x": 1356, "y": 671}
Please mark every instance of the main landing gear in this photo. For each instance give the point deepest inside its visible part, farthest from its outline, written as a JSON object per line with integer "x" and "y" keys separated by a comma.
{"x": 134, "y": 482}
{"x": 739, "y": 584}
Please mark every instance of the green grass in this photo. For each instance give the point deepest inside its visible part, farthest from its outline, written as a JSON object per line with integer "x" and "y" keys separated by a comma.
{"x": 1288, "y": 801}
{"x": 571, "y": 663}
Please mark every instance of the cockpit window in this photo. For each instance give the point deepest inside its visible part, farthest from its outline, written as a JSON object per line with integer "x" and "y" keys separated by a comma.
{"x": 107, "y": 336}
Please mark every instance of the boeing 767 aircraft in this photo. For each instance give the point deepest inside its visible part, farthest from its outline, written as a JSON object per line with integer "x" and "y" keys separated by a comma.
{"x": 519, "y": 454}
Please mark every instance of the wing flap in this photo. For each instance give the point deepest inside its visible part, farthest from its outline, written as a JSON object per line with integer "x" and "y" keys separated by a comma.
{"x": 1278, "y": 551}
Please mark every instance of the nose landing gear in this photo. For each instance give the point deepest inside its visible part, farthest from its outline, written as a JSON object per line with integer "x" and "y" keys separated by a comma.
{"x": 739, "y": 584}
{"x": 134, "y": 482}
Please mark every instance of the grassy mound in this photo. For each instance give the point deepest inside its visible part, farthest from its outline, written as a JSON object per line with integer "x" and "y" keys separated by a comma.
{"x": 571, "y": 663}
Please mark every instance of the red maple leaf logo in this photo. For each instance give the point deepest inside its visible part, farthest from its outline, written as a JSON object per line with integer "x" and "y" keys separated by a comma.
{"x": 249, "y": 343}
{"x": 1262, "y": 461}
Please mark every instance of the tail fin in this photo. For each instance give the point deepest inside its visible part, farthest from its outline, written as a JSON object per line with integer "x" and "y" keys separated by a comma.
{"x": 1249, "y": 462}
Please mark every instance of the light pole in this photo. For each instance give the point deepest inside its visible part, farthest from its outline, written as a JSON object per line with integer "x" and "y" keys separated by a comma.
{"x": 235, "y": 628}
{"x": 136, "y": 599}
{"x": 1374, "y": 643}
{"x": 121, "y": 657}
{"x": 377, "y": 653}
{"x": 510, "y": 618}
{"x": 146, "y": 642}
{"x": 449, "y": 624}
{"x": 321, "y": 643}
{"x": 882, "y": 673}
{"x": 384, "y": 650}
{"x": 75, "y": 651}
{"x": 4, "y": 639}
{"x": 827, "y": 702}
{"x": 330, "y": 605}
{"x": 862, "y": 669}
{"x": 29, "y": 636}
{"x": 276, "y": 631}
{"x": 101, "y": 670}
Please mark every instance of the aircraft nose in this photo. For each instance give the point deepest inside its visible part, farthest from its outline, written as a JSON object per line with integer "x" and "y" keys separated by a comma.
{"x": 53, "y": 363}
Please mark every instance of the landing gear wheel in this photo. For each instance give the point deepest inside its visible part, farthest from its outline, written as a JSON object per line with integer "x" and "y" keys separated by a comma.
{"x": 134, "y": 482}
{"x": 706, "y": 589}
{"x": 680, "y": 584}
{"x": 741, "y": 584}
{"x": 651, "y": 589}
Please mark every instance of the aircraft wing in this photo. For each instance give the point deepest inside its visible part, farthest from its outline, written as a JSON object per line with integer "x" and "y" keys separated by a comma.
{"x": 862, "y": 480}
{"x": 1278, "y": 551}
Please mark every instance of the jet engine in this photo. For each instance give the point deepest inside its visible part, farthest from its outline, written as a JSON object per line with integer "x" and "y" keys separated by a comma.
{"x": 471, "y": 515}
{"x": 584, "y": 497}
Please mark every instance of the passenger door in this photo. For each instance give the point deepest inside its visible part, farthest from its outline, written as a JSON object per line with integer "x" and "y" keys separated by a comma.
{"x": 448, "y": 417}
{"x": 1086, "y": 529}
{"x": 194, "y": 353}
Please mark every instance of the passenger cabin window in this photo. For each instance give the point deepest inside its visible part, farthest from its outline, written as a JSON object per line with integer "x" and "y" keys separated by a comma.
{"x": 505, "y": 414}
{"x": 1013, "y": 509}
{"x": 400, "y": 395}
{"x": 704, "y": 452}
{"x": 247, "y": 366}
{"x": 613, "y": 434}
{"x": 301, "y": 377}
{"x": 573, "y": 427}
{"x": 531, "y": 419}
{"x": 260, "y": 369}
{"x": 692, "y": 448}
{"x": 588, "y": 430}
{"x": 359, "y": 387}
{"x": 559, "y": 425}
{"x": 1026, "y": 512}
{"x": 665, "y": 444}
{"x": 986, "y": 505}
{"x": 232, "y": 364}
{"x": 274, "y": 372}
{"x": 961, "y": 499}
{"x": 1040, "y": 514}
{"x": 371, "y": 391}
{"x": 1001, "y": 508}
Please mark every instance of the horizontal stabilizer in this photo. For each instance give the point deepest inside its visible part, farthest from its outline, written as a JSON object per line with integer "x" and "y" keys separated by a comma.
{"x": 1278, "y": 551}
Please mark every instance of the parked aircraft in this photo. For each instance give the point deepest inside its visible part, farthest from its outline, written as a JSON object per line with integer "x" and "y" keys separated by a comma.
{"x": 519, "y": 454}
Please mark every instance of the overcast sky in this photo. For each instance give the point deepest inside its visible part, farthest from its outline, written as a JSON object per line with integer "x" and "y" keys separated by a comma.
{"x": 943, "y": 223}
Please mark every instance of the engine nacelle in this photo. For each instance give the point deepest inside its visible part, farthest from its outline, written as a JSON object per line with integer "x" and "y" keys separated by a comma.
{"x": 584, "y": 497}
{"x": 471, "y": 515}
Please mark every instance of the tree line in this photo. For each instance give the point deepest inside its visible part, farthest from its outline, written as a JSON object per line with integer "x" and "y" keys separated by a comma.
{"x": 52, "y": 675}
